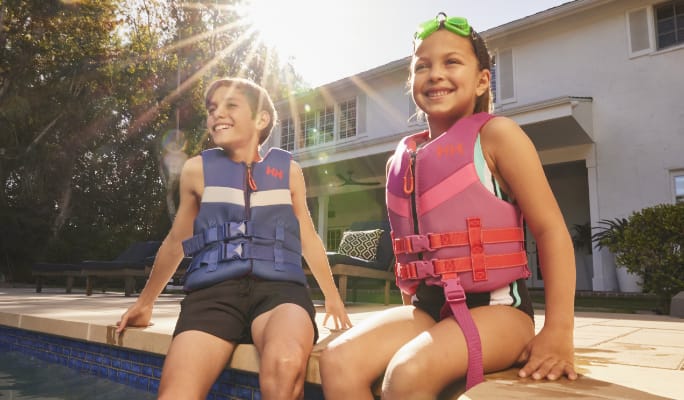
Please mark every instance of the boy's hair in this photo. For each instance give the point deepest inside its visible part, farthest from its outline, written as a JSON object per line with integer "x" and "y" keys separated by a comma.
{"x": 257, "y": 98}
{"x": 484, "y": 101}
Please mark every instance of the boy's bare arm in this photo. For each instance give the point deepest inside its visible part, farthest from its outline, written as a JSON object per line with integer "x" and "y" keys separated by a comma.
{"x": 171, "y": 251}
{"x": 314, "y": 251}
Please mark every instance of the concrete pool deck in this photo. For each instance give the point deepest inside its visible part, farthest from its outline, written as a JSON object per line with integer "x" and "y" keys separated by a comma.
{"x": 619, "y": 356}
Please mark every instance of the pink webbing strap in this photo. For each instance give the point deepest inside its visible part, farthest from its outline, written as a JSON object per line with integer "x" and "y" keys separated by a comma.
{"x": 455, "y": 297}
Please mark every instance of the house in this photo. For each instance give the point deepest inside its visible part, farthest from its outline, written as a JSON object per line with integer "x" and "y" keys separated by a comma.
{"x": 598, "y": 86}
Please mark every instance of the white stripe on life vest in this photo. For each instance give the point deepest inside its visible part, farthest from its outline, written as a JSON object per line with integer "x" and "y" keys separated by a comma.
{"x": 219, "y": 194}
{"x": 271, "y": 197}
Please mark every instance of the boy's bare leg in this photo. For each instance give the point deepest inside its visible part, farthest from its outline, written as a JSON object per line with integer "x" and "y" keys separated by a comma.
{"x": 194, "y": 360}
{"x": 284, "y": 338}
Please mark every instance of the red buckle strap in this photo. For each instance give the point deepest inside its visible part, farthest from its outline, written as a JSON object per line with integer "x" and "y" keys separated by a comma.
{"x": 433, "y": 241}
{"x": 448, "y": 239}
{"x": 411, "y": 244}
{"x": 495, "y": 261}
{"x": 477, "y": 256}
{"x": 421, "y": 269}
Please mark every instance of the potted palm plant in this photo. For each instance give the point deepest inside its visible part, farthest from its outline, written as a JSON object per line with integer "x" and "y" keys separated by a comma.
{"x": 609, "y": 234}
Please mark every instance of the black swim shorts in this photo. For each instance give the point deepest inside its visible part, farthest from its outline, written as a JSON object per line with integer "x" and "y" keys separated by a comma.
{"x": 227, "y": 309}
{"x": 431, "y": 298}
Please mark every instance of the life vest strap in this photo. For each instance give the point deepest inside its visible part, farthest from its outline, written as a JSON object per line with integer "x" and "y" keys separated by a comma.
{"x": 433, "y": 241}
{"x": 421, "y": 269}
{"x": 477, "y": 256}
{"x": 225, "y": 252}
{"x": 217, "y": 233}
{"x": 455, "y": 297}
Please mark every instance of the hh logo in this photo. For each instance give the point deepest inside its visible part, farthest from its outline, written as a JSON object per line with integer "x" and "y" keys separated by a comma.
{"x": 449, "y": 150}
{"x": 275, "y": 172}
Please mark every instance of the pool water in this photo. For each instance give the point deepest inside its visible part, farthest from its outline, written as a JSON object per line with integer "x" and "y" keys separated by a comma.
{"x": 23, "y": 377}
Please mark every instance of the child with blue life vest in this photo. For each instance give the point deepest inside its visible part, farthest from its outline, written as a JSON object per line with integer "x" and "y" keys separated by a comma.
{"x": 461, "y": 260}
{"x": 244, "y": 221}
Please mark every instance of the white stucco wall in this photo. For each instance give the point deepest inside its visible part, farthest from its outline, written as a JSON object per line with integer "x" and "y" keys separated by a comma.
{"x": 637, "y": 112}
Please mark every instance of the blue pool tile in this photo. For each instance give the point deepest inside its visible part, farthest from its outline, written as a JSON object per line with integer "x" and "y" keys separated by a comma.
{"x": 154, "y": 385}
{"x": 121, "y": 377}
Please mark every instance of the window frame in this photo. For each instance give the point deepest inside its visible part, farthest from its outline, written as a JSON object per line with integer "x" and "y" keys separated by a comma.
{"x": 679, "y": 41}
{"x": 674, "y": 176}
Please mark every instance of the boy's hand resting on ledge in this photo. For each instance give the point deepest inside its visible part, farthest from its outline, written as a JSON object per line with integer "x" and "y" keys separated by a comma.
{"x": 136, "y": 315}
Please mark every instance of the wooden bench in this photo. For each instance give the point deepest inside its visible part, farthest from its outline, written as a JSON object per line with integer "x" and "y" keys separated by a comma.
{"x": 134, "y": 262}
{"x": 41, "y": 271}
{"x": 344, "y": 267}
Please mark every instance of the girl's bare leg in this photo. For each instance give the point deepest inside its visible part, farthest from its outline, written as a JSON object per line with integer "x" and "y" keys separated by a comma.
{"x": 355, "y": 359}
{"x": 437, "y": 357}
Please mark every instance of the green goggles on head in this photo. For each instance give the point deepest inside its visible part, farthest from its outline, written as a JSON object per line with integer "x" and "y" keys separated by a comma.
{"x": 457, "y": 25}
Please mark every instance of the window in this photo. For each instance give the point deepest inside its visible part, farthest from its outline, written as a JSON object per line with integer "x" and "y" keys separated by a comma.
{"x": 347, "y": 119}
{"x": 669, "y": 18}
{"x": 333, "y": 239}
{"x": 678, "y": 185}
{"x": 320, "y": 125}
{"x": 287, "y": 134}
{"x": 309, "y": 128}
{"x": 326, "y": 124}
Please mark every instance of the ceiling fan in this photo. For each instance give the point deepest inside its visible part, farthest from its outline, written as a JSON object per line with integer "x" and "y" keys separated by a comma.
{"x": 348, "y": 180}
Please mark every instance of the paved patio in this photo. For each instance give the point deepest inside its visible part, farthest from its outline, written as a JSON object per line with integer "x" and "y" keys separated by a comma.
{"x": 619, "y": 356}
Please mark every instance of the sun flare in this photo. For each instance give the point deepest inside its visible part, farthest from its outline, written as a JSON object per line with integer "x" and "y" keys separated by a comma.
{"x": 284, "y": 26}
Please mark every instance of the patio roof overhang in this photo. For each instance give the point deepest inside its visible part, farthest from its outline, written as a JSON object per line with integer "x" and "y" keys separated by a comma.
{"x": 555, "y": 123}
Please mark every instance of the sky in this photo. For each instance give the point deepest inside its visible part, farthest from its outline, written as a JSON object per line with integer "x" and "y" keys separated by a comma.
{"x": 327, "y": 40}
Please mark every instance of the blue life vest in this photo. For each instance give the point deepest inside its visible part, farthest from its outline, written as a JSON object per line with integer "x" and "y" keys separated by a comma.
{"x": 246, "y": 223}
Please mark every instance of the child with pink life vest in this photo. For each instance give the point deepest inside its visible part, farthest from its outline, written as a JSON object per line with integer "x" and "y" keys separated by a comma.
{"x": 461, "y": 261}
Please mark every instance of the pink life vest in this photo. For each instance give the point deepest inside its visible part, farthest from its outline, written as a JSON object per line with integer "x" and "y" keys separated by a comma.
{"x": 449, "y": 229}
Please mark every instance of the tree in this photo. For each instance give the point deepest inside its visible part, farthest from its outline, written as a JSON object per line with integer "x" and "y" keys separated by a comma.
{"x": 50, "y": 55}
{"x": 92, "y": 96}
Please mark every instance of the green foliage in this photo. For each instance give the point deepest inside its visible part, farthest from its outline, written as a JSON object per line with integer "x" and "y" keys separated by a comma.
{"x": 88, "y": 92}
{"x": 652, "y": 246}
{"x": 609, "y": 233}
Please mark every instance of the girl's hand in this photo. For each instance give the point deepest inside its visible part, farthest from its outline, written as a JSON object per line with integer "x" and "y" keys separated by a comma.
{"x": 335, "y": 308}
{"x": 549, "y": 355}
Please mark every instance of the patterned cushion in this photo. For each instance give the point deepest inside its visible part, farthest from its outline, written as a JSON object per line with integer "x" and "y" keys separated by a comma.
{"x": 361, "y": 244}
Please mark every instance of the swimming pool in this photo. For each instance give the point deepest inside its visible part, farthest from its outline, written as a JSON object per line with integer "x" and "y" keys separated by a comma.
{"x": 116, "y": 366}
{"x": 23, "y": 377}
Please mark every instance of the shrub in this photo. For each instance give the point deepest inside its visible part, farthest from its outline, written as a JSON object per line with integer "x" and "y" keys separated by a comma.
{"x": 650, "y": 244}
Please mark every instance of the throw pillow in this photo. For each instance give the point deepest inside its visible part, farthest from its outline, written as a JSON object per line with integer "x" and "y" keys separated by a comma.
{"x": 360, "y": 244}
